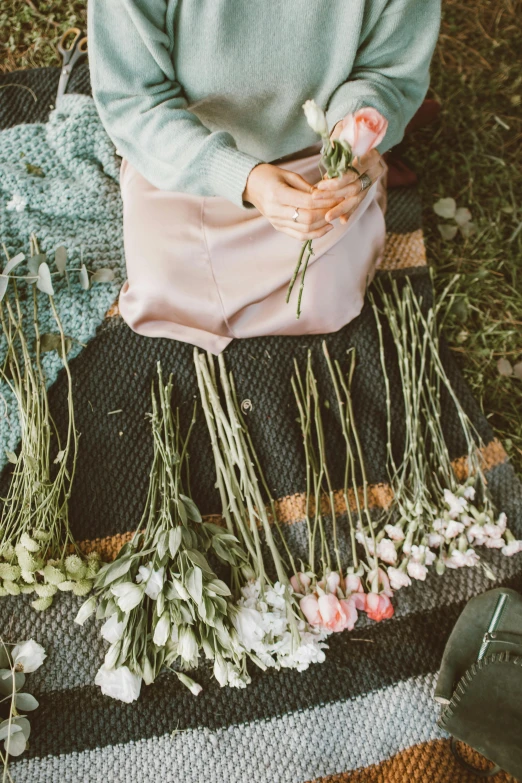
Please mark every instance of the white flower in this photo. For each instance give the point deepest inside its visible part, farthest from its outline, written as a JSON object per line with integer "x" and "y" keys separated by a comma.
{"x": 417, "y": 570}
{"x": 458, "y": 559}
{"x": 220, "y": 670}
{"x": 119, "y": 683}
{"x": 194, "y": 687}
{"x": 512, "y": 548}
{"x": 469, "y": 493}
{"x": 153, "y": 580}
{"x": 28, "y": 656}
{"x": 162, "y": 630}
{"x": 112, "y": 655}
{"x": 17, "y": 203}
{"x": 455, "y": 504}
{"x": 495, "y": 543}
{"x": 386, "y": 551}
{"x": 453, "y": 529}
{"x": 394, "y": 532}
{"x": 492, "y": 531}
{"x": 434, "y": 540}
{"x": 502, "y": 522}
{"x": 249, "y": 626}
{"x": 398, "y": 578}
{"x": 187, "y": 645}
{"x": 235, "y": 679}
{"x": 112, "y": 629}
{"x": 420, "y": 554}
{"x": 128, "y": 595}
{"x": 316, "y": 118}
{"x": 86, "y": 610}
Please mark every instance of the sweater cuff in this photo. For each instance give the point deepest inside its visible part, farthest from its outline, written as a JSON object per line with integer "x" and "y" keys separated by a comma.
{"x": 344, "y": 102}
{"x": 228, "y": 172}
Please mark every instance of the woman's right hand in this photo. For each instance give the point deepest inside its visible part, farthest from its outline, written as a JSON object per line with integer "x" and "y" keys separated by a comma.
{"x": 277, "y": 192}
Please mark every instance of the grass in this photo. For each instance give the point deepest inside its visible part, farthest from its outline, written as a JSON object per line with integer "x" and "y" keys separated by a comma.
{"x": 473, "y": 154}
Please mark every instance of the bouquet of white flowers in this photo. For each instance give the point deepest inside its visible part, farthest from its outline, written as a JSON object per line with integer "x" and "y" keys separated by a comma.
{"x": 267, "y": 619}
{"x": 162, "y": 602}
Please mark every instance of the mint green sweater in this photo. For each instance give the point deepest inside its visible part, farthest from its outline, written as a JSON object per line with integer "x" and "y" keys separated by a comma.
{"x": 195, "y": 93}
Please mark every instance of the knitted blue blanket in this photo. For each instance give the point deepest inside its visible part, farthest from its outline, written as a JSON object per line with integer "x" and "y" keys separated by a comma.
{"x": 62, "y": 176}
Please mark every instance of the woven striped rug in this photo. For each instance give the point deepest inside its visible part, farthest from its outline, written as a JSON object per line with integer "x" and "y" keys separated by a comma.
{"x": 367, "y": 713}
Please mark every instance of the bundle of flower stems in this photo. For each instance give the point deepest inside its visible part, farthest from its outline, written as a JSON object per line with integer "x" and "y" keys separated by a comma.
{"x": 268, "y": 620}
{"x": 336, "y": 586}
{"x": 161, "y": 600}
{"x": 37, "y": 551}
{"x": 435, "y": 518}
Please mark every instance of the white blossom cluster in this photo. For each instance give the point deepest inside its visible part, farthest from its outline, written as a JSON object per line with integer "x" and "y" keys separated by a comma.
{"x": 263, "y": 628}
{"x": 448, "y": 542}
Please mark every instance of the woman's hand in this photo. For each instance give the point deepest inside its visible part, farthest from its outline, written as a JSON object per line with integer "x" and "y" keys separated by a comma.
{"x": 277, "y": 192}
{"x": 347, "y": 189}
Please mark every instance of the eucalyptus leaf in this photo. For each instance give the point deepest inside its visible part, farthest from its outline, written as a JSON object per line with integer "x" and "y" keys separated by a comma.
{"x": 447, "y": 232}
{"x": 13, "y": 262}
{"x": 445, "y": 207}
{"x": 6, "y": 729}
{"x": 194, "y": 584}
{"x": 24, "y": 725}
{"x": 192, "y": 509}
{"x": 5, "y": 662}
{"x": 103, "y": 276}
{"x": 16, "y": 744}
{"x": 44, "y": 282}
{"x": 25, "y": 702}
{"x": 187, "y": 612}
{"x": 60, "y": 259}
{"x": 174, "y": 541}
{"x": 6, "y": 681}
{"x": 84, "y": 278}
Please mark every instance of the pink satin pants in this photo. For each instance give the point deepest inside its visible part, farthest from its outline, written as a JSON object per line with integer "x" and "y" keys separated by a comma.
{"x": 203, "y": 271}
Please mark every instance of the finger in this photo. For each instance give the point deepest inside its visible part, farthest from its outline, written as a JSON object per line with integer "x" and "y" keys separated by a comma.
{"x": 309, "y": 218}
{"x": 291, "y": 197}
{"x": 346, "y": 207}
{"x": 354, "y": 188}
{"x": 337, "y": 183}
{"x": 297, "y": 181}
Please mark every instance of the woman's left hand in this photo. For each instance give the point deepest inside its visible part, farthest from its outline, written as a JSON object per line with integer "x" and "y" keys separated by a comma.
{"x": 348, "y": 187}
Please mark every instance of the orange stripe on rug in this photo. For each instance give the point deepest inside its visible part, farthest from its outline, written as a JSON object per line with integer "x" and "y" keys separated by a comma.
{"x": 429, "y": 762}
{"x": 292, "y": 508}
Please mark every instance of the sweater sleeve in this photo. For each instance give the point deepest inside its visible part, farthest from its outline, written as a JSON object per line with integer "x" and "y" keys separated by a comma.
{"x": 143, "y": 108}
{"x": 391, "y": 72}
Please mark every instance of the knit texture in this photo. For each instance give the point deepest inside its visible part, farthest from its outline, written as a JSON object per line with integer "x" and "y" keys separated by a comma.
{"x": 196, "y": 93}
{"x": 78, "y": 204}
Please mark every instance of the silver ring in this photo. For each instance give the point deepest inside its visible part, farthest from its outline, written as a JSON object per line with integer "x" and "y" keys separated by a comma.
{"x": 365, "y": 181}
{"x": 295, "y": 215}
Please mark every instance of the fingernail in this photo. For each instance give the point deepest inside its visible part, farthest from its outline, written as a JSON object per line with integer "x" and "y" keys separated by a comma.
{"x": 330, "y": 227}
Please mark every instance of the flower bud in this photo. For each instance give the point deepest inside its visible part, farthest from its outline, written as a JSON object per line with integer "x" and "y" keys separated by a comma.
{"x": 315, "y": 117}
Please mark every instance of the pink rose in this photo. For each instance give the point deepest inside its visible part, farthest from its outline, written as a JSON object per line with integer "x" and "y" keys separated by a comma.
{"x": 363, "y": 130}
{"x": 310, "y": 608}
{"x": 353, "y": 584}
{"x": 359, "y": 601}
{"x": 350, "y": 610}
{"x": 335, "y": 615}
{"x": 378, "y": 607}
{"x": 333, "y": 580}
{"x": 300, "y": 582}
